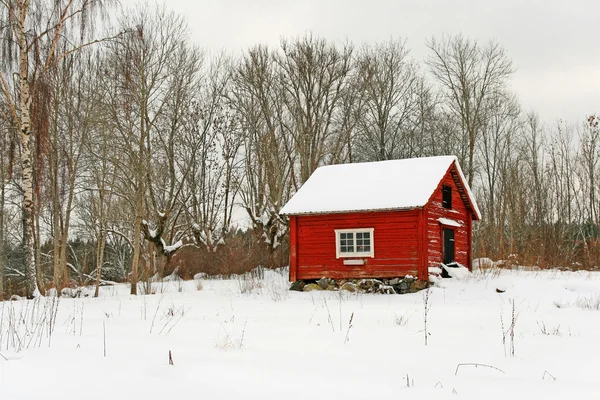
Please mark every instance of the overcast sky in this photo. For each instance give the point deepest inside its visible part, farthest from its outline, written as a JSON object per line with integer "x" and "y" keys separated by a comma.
{"x": 554, "y": 44}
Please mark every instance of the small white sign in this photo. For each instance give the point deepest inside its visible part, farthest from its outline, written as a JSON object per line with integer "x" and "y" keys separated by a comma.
{"x": 354, "y": 262}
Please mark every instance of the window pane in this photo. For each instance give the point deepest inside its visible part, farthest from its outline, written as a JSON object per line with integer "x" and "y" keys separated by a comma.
{"x": 346, "y": 242}
{"x": 364, "y": 248}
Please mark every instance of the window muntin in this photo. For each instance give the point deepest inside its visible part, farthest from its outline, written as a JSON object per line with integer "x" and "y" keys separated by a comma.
{"x": 354, "y": 242}
{"x": 447, "y": 196}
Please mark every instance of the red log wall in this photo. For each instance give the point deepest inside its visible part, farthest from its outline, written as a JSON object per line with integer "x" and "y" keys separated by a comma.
{"x": 459, "y": 212}
{"x": 395, "y": 240}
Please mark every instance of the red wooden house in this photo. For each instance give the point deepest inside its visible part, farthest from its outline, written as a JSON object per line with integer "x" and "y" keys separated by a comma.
{"x": 381, "y": 219}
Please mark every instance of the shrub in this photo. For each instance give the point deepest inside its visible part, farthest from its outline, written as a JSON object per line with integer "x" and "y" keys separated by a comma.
{"x": 589, "y": 302}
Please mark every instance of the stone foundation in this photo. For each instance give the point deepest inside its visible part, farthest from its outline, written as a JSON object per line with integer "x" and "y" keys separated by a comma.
{"x": 383, "y": 286}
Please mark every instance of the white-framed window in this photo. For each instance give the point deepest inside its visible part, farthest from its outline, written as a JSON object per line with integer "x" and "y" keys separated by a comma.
{"x": 354, "y": 243}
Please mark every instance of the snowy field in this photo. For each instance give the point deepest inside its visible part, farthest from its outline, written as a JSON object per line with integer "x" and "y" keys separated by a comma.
{"x": 253, "y": 339}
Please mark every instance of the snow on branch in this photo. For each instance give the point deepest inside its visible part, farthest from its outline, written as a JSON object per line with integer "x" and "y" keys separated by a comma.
{"x": 155, "y": 236}
{"x": 168, "y": 250}
{"x": 207, "y": 237}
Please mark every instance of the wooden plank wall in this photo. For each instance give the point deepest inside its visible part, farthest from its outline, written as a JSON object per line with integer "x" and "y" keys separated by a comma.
{"x": 293, "y": 248}
{"x": 395, "y": 243}
{"x": 459, "y": 212}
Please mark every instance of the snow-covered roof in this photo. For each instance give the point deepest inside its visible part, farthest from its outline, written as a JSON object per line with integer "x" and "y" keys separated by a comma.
{"x": 381, "y": 185}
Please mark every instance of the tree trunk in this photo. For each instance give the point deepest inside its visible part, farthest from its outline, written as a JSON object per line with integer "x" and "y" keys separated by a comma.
{"x": 28, "y": 206}
{"x": 37, "y": 251}
{"x": 2, "y": 249}
{"x": 471, "y": 156}
{"x": 62, "y": 264}
{"x": 56, "y": 249}
{"x": 64, "y": 242}
{"x": 99, "y": 259}
{"x": 137, "y": 231}
{"x": 57, "y": 246}
{"x": 101, "y": 236}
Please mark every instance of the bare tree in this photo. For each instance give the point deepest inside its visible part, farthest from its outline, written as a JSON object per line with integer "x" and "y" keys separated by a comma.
{"x": 94, "y": 203}
{"x": 391, "y": 84}
{"x": 33, "y": 31}
{"x": 563, "y": 170}
{"x": 268, "y": 162}
{"x": 590, "y": 160}
{"x": 7, "y": 147}
{"x": 72, "y": 122}
{"x": 471, "y": 76}
{"x": 153, "y": 70}
{"x": 534, "y": 144}
{"x": 213, "y": 140}
{"x": 589, "y": 173}
{"x": 427, "y": 134}
{"x": 313, "y": 75}
{"x": 497, "y": 152}
{"x": 347, "y": 119}
{"x": 100, "y": 198}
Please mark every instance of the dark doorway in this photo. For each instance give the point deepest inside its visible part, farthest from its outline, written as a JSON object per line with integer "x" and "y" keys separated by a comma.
{"x": 448, "y": 245}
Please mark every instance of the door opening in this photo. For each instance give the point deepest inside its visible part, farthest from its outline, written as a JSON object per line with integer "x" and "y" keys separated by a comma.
{"x": 448, "y": 236}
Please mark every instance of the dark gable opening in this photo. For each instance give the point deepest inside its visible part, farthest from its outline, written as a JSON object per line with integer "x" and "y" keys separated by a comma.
{"x": 447, "y": 196}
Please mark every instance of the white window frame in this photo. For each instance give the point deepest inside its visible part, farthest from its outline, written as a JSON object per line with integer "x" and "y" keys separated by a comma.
{"x": 339, "y": 254}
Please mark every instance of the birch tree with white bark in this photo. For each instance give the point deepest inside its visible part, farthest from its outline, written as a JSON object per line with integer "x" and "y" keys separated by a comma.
{"x": 33, "y": 31}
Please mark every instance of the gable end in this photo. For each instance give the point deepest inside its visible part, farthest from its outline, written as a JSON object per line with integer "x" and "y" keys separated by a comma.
{"x": 462, "y": 189}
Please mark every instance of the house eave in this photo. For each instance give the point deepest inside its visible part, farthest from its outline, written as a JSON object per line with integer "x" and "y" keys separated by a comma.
{"x": 367, "y": 210}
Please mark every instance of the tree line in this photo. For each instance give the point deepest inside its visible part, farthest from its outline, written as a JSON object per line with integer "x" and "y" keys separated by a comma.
{"x": 129, "y": 154}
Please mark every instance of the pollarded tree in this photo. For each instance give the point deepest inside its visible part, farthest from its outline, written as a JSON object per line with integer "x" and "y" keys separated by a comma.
{"x": 212, "y": 141}
{"x": 149, "y": 88}
{"x": 265, "y": 183}
{"x": 32, "y": 32}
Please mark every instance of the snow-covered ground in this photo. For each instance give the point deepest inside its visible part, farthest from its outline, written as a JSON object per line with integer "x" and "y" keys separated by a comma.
{"x": 269, "y": 343}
